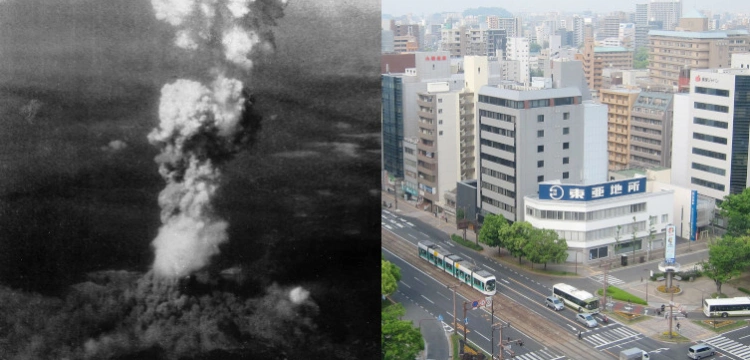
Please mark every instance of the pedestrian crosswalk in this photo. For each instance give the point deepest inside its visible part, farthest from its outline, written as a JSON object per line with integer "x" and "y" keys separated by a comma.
{"x": 609, "y": 336}
{"x": 729, "y": 346}
{"x": 541, "y": 354}
{"x": 611, "y": 280}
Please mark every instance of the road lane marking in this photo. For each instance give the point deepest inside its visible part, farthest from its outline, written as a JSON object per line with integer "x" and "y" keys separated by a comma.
{"x": 405, "y": 284}
{"x": 414, "y": 237}
{"x": 450, "y": 244}
{"x": 425, "y": 297}
{"x": 422, "y": 282}
{"x": 506, "y": 281}
{"x": 488, "y": 339}
{"x": 423, "y": 233}
{"x": 388, "y": 227}
{"x": 467, "y": 256}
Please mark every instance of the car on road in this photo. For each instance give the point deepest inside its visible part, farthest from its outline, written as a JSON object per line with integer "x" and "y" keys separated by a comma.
{"x": 700, "y": 351}
{"x": 554, "y": 303}
{"x": 586, "y": 319}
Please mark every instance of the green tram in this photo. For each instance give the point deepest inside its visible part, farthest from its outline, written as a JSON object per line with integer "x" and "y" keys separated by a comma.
{"x": 467, "y": 273}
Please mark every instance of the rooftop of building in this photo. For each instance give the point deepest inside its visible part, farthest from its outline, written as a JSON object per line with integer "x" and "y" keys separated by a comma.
{"x": 712, "y": 34}
{"x": 520, "y": 94}
{"x": 621, "y": 90}
{"x": 733, "y": 71}
{"x": 647, "y": 100}
{"x": 601, "y": 49}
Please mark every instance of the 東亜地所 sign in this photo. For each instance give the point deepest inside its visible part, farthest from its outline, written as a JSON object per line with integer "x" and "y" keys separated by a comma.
{"x": 592, "y": 192}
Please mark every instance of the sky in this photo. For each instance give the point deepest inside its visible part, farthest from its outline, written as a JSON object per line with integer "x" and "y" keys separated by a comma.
{"x": 397, "y": 7}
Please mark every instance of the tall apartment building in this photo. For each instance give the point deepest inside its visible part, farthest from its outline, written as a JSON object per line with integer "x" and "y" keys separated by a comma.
{"x": 672, "y": 51}
{"x": 444, "y": 117}
{"x": 641, "y": 14}
{"x": 477, "y": 42}
{"x": 668, "y": 12}
{"x": 651, "y": 130}
{"x": 409, "y": 30}
{"x": 393, "y": 124}
{"x": 518, "y": 49}
{"x": 596, "y": 58}
{"x": 609, "y": 25}
{"x": 463, "y": 41}
{"x": 513, "y": 25}
{"x": 641, "y": 35}
{"x": 693, "y": 20}
{"x": 497, "y": 40}
{"x": 619, "y": 103}
{"x": 714, "y": 121}
{"x": 528, "y": 136}
{"x": 405, "y": 44}
{"x": 626, "y": 35}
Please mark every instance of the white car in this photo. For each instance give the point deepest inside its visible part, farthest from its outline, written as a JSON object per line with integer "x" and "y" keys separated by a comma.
{"x": 554, "y": 303}
{"x": 586, "y": 319}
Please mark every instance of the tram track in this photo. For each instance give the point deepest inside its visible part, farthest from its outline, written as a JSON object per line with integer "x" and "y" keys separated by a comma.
{"x": 521, "y": 318}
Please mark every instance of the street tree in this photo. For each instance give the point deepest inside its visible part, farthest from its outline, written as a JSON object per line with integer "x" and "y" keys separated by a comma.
{"x": 515, "y": 238}
{"x": 492, "y": 227}
{"x": 399, "y": 339}
{"x": 726, "y": 259}
{"x": 390, "y": 276}
{"x": 545, "y": 246}
{"x": 651, "y": 237}
{"x": 736, "y": 209}
{"x": 635, "y": 236}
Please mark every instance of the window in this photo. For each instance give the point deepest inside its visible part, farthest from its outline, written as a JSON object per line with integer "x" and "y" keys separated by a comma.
{"x": 711, "y": 107}
{"x": 652, "y": 220}
{"x": 440, "y": 100}
{"x": 540, "y": 118}
{"x": 566, "y": 175}
{"x": 566, "y": 130}
{"x": 440, "y": 111}
{"x": 540, "y": 163}
{"x": 566, "y": 145}
{"x": 440, "y": 122}
{"x": 540, "y": 178}
{"x": 540, "y": 148}
{"x": 566, "y": 160}
{"x": 708, "y": 153}
{"x": 664, "y": 218}
{"x": 705, "y": 137}
{"x": 708, "y": 184}
{"x": 440, "y": 133}
{"x": 710, "y": 91}
{"x": 566, "y": 116}
{"x": 540, "y": 133}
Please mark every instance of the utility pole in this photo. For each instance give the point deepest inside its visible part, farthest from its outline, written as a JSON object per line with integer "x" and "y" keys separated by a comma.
{"x": 671, "y": 304}
{"x": 453, "y": 287}
{"x": 500, "y": 344}
{"x": 492, "y": 329}
{"x": 606, "y": 284}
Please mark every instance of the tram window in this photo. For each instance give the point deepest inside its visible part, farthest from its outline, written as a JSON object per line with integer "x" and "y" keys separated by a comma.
{"x": 440, "y": 262}
{"x": 449, "y": 267}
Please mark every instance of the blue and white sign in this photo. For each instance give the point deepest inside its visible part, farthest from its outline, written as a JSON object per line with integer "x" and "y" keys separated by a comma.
{"x": 669, "y": 247}
{"x": 592, "y": 192}
{"x": 693, "y": 214}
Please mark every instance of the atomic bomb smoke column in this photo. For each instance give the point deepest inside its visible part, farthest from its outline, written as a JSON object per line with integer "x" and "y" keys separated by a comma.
{"x": 204, "y": 125}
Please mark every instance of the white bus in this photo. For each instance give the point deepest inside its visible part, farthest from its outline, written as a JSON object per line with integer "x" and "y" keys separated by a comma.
{"x": 738, "y": 306}
{"x": 580, "y": 300}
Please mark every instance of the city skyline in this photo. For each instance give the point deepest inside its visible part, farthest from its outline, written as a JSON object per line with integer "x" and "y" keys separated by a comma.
{"x": 423, "y": 7}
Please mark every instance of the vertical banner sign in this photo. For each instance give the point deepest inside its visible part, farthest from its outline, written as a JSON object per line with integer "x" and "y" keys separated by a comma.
{"x": 693, "y": 214}
{"x": 670, "y": 245}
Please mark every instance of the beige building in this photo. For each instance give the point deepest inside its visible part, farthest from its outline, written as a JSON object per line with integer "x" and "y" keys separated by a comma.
{"x": 596, "y": 58}
{"x": 619, "y": 103}
{"x": 671, "y": 51}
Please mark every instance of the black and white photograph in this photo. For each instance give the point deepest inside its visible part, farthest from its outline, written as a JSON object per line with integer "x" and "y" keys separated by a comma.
{"x": 189, "y": 179}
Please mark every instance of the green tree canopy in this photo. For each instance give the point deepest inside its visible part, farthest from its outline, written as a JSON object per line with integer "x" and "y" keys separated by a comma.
{"x": 534, "y": 48}
{"x": 640, "y": 58}
{"x": 736, "y": 209}
{"x": 546, "y": 246}
{"x": 399, "y": 339}
{"x": 390, "y": 276}
{"x": 515, "y": 238}
{"x": 726, "y": 259}
{"x": 492, "y": 226}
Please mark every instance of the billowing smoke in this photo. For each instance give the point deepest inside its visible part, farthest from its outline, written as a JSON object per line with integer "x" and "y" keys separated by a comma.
{"x": 204, "y": 125}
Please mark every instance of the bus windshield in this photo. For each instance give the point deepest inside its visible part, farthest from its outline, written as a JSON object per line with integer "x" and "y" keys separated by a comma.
{"x": 593, "y": 304}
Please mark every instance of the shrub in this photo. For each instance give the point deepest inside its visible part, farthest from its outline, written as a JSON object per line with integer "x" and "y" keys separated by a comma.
{"x": 622, "y": 295}
{"x": 466, "y": 243}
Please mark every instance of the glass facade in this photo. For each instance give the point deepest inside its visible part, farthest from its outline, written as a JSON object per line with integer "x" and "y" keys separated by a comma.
{"x": 740, "y": 124}
{"x": 393, "y": 124}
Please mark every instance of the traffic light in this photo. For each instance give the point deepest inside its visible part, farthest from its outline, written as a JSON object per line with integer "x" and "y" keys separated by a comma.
{"x": 662, "y": 307}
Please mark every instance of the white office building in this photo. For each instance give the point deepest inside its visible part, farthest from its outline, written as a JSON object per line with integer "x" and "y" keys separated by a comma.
{"x": 714, "y": 121}
{"x": 600, "y": 221}
{"x": 518, "y": 49}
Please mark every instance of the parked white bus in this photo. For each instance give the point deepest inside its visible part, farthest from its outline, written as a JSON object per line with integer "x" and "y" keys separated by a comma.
{"x": 738, "y": 306}
{"x": 580, "y": 300}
